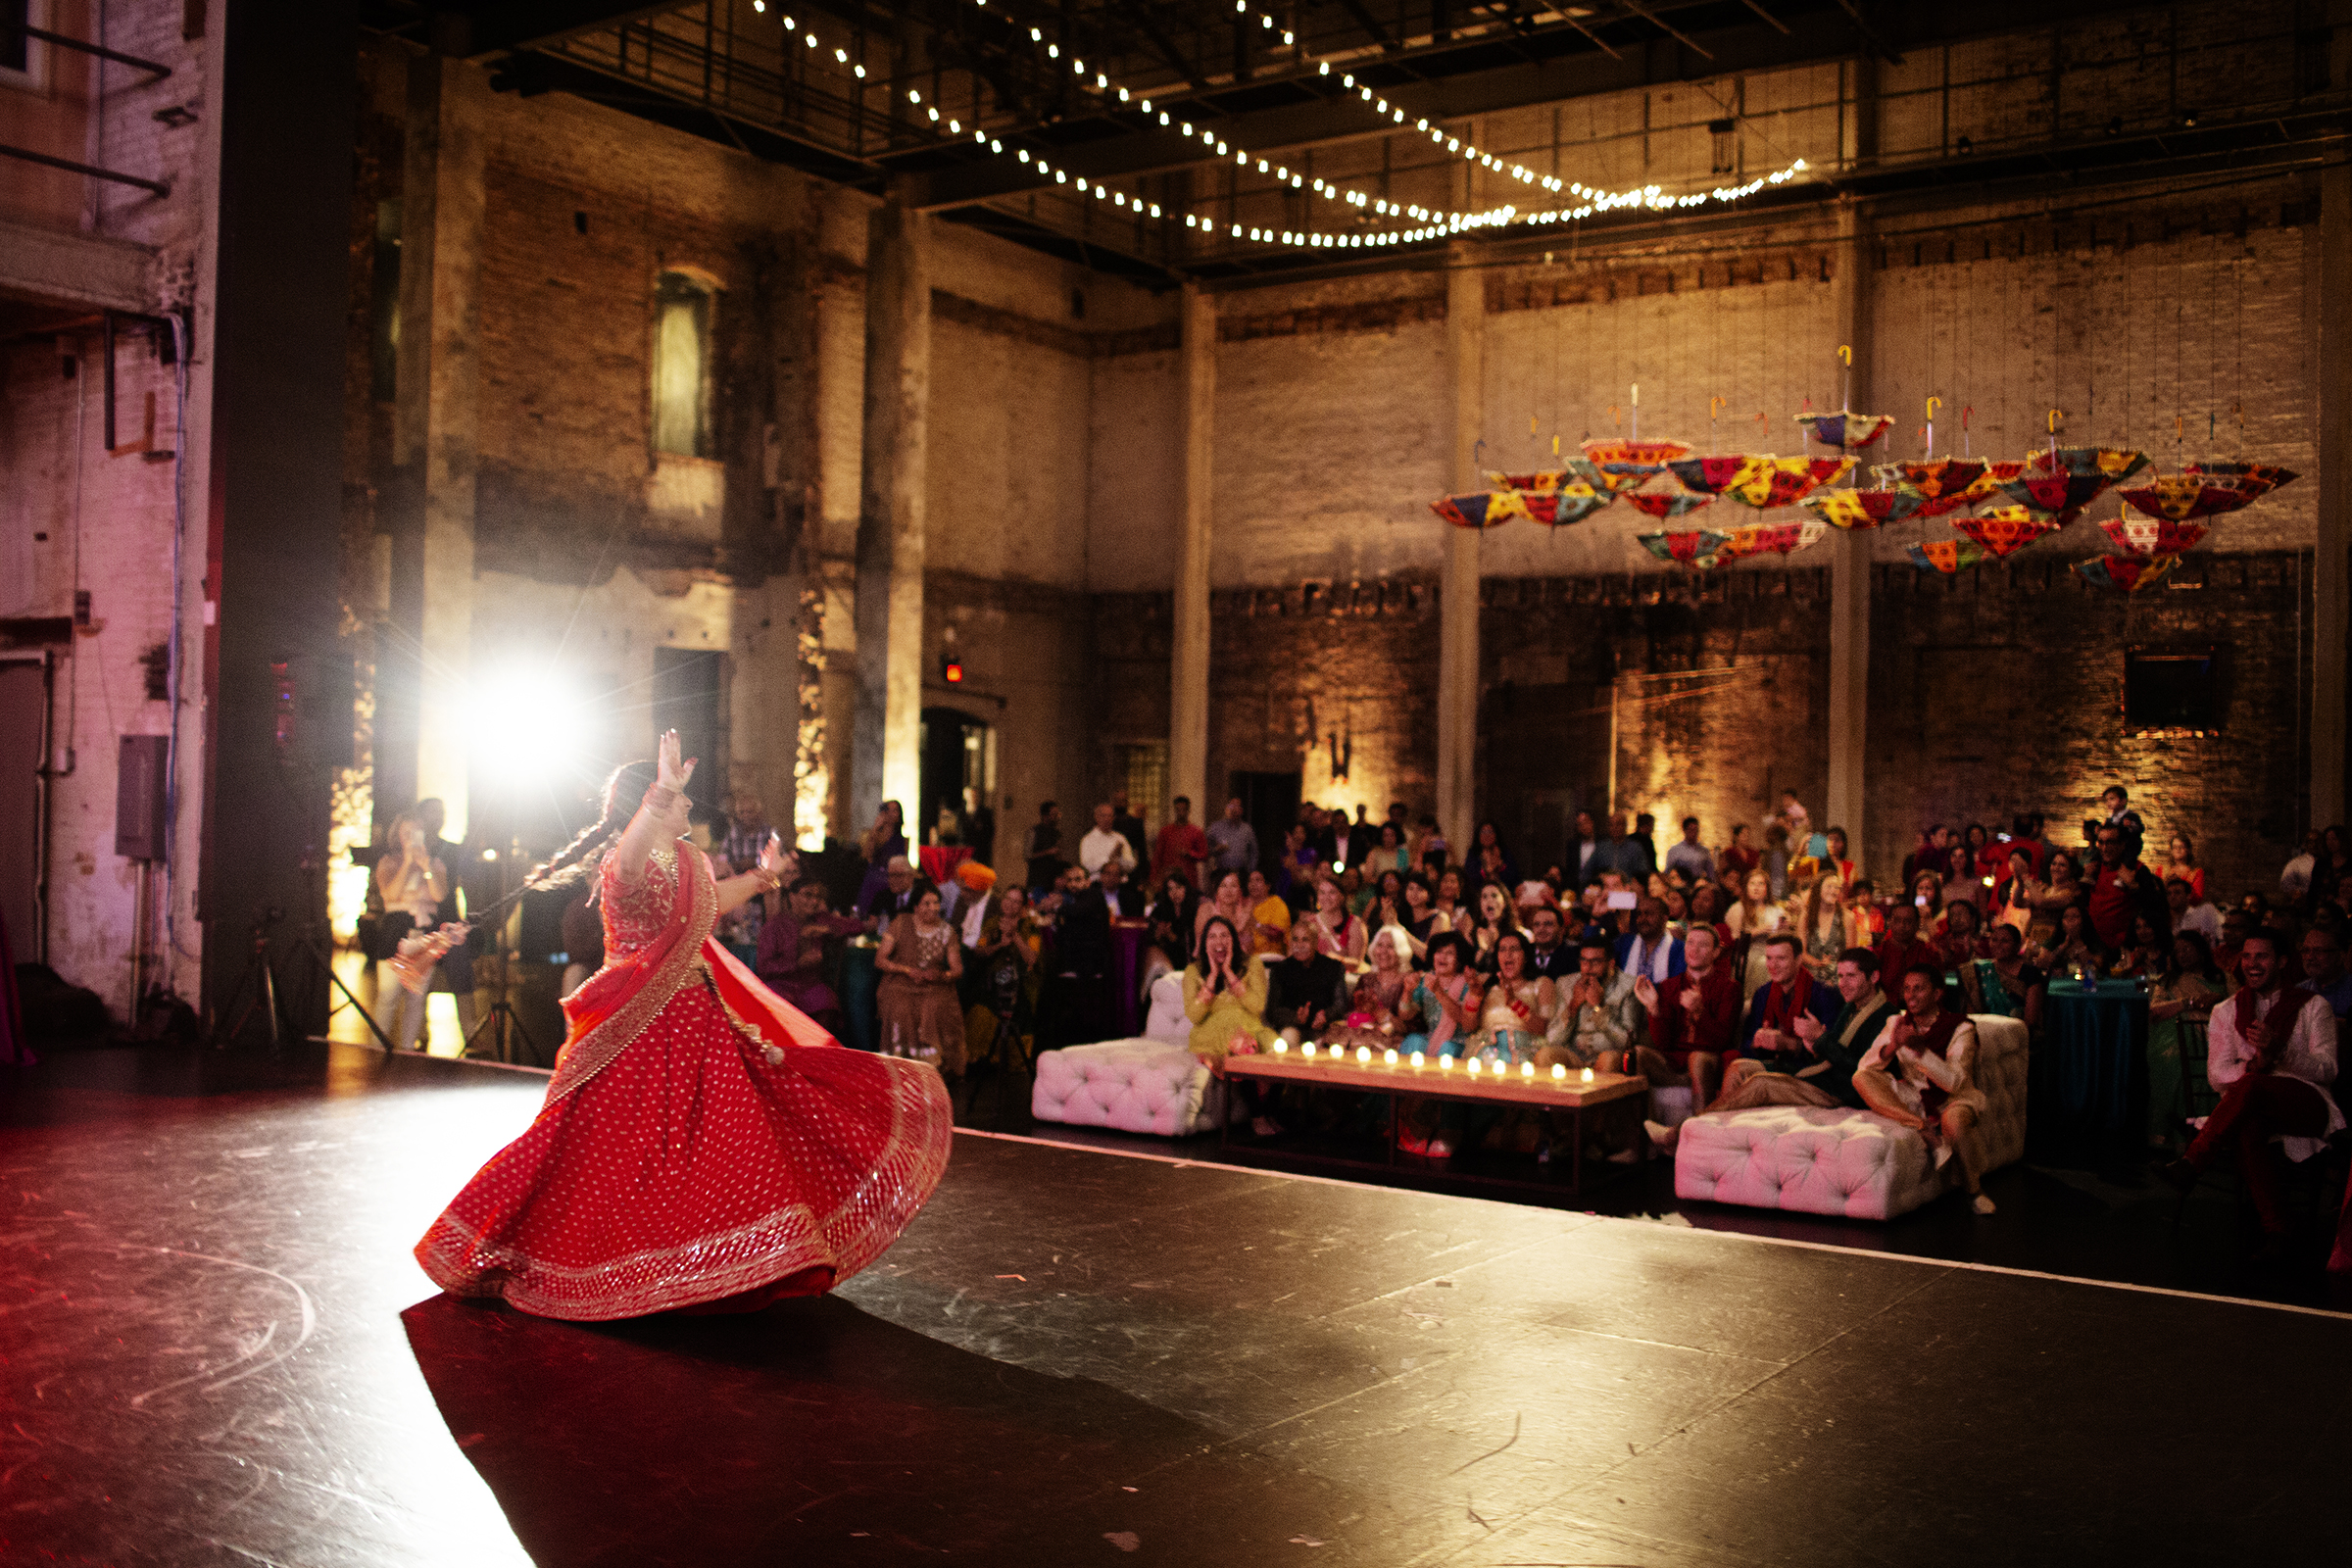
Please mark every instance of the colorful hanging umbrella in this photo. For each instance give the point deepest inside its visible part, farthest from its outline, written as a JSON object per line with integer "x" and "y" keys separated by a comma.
{"x": 1997, "y": 473}
{"x": 1771, "y": 538}
{"x": 2181, "y": 498}
{"x": 1570, "y": 502}
{"x": 1481, "y": 509}
{"x": 1947, "y": 556}
{"x": 1655, "y": 453}
{"x": 1698, "y": 548}
{"x": 2005, "y": 530}
{"x": 1666, "y": 504}
{"x": 2063, "y": 480}
{"x": 1540, "y": 480}
{"x": 1864, "y": 509}
{"x": 1785, "y": 481}
{"x": 2258, "y": 479}
{"x": 1933, "y": 477}
{"x": 1846, "y": 429}
{"x": 2114, "y": 464}
{"x": 2152, "y": 536}
{"x": 2131, "y": 573}
{"x": 1711, "y": 476}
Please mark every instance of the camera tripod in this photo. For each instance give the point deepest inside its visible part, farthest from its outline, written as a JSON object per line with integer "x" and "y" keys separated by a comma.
{"x": 502, "y": 1015}
{"x": 260, "y": 979}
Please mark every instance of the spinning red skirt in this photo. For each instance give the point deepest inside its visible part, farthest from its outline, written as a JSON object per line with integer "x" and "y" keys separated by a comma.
{"x": 704, "y": 1146}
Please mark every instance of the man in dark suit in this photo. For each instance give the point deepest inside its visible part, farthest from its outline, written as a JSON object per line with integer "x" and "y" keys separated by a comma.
{"x": 1576, "y": 860}
{"x": 1306, "y": 989}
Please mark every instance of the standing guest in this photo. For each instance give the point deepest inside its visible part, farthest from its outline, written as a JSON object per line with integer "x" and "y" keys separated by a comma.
{"x": 1577, "y": 862}
{"x": 1597, "y": 1020}
{"x": 1005, "y": 955}
{"x": 747, "y": 834}
{"x": 920, "y": 962}
{"x": 2117, "y": 802}
{"x": 878, "y": 843}
{"x": 1830, "y": 927}
{"x": 2295, "y": 877}
{"x": 1228, "y": 897}
{"x": 1182, "y": 849}
{"x": 1837, "y": 856}
{"x": 2272, "y": 1051}
{"x": 1823, "y": 1076}
{"x": 414, "y": 883}
{"x": 1044, "y": 849}
{"x": 1388, "y": 853}
{"x": 1754, "y": 917}
{"x": 1103, "y": 842}
{"x": 1934, "y": 852}
{"x": 1768, "y": 1029}
{"x": 1086, "y": 946}
{"x": 1629, "y": 855}
{"x": 1903, "y": 950}
{"x": 1334, "y": 932}
{"x": 1646, "y": 834}
{"x": 1490, "y": 862}
{"x": 1232, "y": 841}
{"x": 792, "y": 954}
{"x": 1960, "y": 936}
{"x": 1269, "y": 916}
{"x": 1693, "y": 1016}
{"x": 2324, "y": 972}
{"x": 1430, "y": 849}
{"x": 1917, "y": 1076}
{"x": 2124, "y": 887}
{"x": 1980, "y": 862}
{"x": 1649, "y": 951}
{"x": 1295, "y": 881}
{"x": 1306, "y": 989}
{"x": 2180, "y": 860}
{"x": 1129, "y": 826}
{"x": 1175, "y": 918}
{"x": 1862, "y": 898}
{"x": 1777, "y": 856}
{"x": 1447, "y": 900}
{"x": 2013, "y": 899}
{"x": 2184, "y": 994}
{"x": 1689, "y": 856}
{"x": 1346, "y": 843}
{"x": 1738, "y": 857}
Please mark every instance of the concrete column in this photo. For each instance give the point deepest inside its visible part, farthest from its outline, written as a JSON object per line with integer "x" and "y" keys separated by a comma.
{"x": 886, "y": 760}
{"x": 1457, "y": 585}
{"x": 2331, "y": 589}
{"x": 437, "y": 426}
{"x": 1188, "y": 694}
{"x": 1849, "y": 564}
{"x": 790, "y": 476}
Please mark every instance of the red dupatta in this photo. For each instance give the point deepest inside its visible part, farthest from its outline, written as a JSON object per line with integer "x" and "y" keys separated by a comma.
{"x": 615, "y": 1004}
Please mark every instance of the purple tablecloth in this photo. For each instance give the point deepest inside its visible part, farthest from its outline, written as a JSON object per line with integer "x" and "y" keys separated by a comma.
{"x": 1127, "y": 976}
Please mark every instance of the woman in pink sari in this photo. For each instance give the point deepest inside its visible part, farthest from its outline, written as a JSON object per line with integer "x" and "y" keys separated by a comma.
{"x": 704, "y": 1146}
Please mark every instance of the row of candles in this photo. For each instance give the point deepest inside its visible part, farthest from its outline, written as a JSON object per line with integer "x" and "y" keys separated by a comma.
{"x": 1473, "y": 1067}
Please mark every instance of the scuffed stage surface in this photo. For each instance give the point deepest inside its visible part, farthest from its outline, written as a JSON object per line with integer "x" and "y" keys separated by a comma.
{"x": 217, "y": 1351}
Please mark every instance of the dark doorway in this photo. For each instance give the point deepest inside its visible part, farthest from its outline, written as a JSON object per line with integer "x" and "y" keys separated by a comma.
{"x": 1546, "y": 755}
{"x": 1271, "y": 804}
{"x": 689, "y": 697}
{"x": 23, "y": 741}
{"x": 959, "y": 773}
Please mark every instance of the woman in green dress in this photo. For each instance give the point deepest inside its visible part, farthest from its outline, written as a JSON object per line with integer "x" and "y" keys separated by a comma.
{"x": 2178, "y": 1008}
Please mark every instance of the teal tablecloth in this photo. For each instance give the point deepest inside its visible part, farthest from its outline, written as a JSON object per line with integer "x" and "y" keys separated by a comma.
{"x": 857, "y": 982}
{"x": 2090, "y": 1083}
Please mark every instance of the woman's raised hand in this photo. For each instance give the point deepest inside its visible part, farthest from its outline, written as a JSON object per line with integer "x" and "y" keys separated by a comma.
{"x": 670, "y": 772}
{"x": 774, "y": 858}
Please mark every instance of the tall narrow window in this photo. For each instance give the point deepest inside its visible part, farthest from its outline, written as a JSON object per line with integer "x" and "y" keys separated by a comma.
{"x": 682, "y": 366}
{"x": 21, "y": 56}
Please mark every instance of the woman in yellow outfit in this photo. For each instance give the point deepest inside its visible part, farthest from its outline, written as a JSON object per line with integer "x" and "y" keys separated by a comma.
{"x": 1225, "y": 995}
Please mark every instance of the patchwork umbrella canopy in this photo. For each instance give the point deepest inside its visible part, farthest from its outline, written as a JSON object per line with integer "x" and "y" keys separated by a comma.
{"x": 2005, "y": 530}
{"x": 2063, "y": 480}
{"x": 1711, "y": 476}
{"x": 2152, "y": 536}
{"x": 1864, "y": 509}
{"x": 2181, "y": 498}
{"x": 1540, "y": 480}
{"x": 1935, "y": 478}
{"x": 2257, "y": 479}
{"x": 2127, "y": 573}
{"x": 1481, "y": 509}
{"x": 1655, "y": 453}
{"x": 1947, "y": 556}
{"x": 1570, "y": 502}
{"x": 1785, "y": 481}
{"x": 1667, "y": 504}
{"x": 1698, "y": 548}
{"x": 2114, "y": 464}
{"x": 1846, "y": 429}
{"x": 1771, "y": 538}
{"x": 1996, "y": 473}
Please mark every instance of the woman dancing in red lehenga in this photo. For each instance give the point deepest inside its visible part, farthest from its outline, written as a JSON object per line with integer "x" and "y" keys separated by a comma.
{"x": 704, "y": 1146}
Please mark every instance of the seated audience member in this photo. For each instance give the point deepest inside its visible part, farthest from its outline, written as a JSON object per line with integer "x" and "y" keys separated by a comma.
{"x": 1789, "y": 992}
{"x": 1495, "y": 917}
{"x": 1104, "y": 842}
{"x": 2295, "y": 877}
{"x": 1227, "y": 896}
{"x": 1959, "y": 937}
{"x": 2184, "y": 994}
{"x": 1595, "y": 1023}
{"x": 1306, "y": 989}
{"x": 2188, "y": 911}
{"x": 1839, "y": 858}
{"x": 1336, "y": 933}
{"x": 1917, "y": 1076}
{"x": 1225, "y": 997}
{"x": 1516, "y": 1013}
{"x": 1738, "y": 857}
{"x": 1447, "y": 899}
{"x": 1932, "y": 853}
{"x": 1928, "y": 896}
{"x": 1130, "y": 827}
{"x": 2062, "y": 887}
{"x": 2181, "y": 861}
{"x": 1694, "y": 1014}
{"x": 1422, "y": 924}
{"x": 1707, "y": 909}
{"x": 1270, "y": 918}
{"x": 2146, "y": 954}
{"x": 1386, "y": 905}
{"x": 1175, "y": 918}
{"x": 1824, "y": 1076}
{"x": 1444, "y": 1001}
{"x": 2005, "y": 983}
{"x": 2324, "y": 972}
{"x": 1549, "y": 953}
{"x": 1828, "y": 928}
{"x": 792, "y": 954}
{"x": 1649, "y": 951}
{"x": 1903, "y": 950}
{"x": 895, "y": 896}
{"x": 1753, "y": 918}
{"x": 1689, "y": 856}
{"x": 2121, "y": 887}
{"x": 2271, "y": 1049}
{"x": 1379, "y": 1011}
{"x": 1430, "y": 851}
{"x": 1490, "y": 862}
{"x": 2075, "y": 949}
{"x": 1182, "y": 849}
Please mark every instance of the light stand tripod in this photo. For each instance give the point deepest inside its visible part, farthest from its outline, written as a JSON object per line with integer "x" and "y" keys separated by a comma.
{"x": 502, "y": 1012}
{"x": 261, "y": 978}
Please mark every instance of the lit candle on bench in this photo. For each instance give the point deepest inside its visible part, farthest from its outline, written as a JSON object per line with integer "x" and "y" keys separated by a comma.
{"x": 1445, "y": 1065}
{"x": 1527, "y": 1069}
{"x": 1309, "y": 1049}
{"x": 1389, "y": 1056}
{"x": 1471, "y": 1066}
{"x": 1364, "y": 1052}
{"x": 1418, "y": 1059}
{"x": 1559, "y": 1070}
{"x": 1281, "y": 1047}
{"x": 1588, "y": 1075}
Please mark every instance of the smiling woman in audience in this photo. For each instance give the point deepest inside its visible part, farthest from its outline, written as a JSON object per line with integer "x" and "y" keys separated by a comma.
{"x": 1447, "y": 900}
{"x": 1225, "y": 995}
{"x": 1518, "y": 1009}
{"x": 1422, "y": 923}
{"x": 1444, "y": 1003}
{"x": 1270, "y": 917}
{"x": 1754, "y": 917}
{"x": 1379, "y": 1013}
{"x": 1830, "y": 927}
{"x": 1338, "y": 934}
{"x": 1494, "y": 919}
{"x": 1228, "y": 898}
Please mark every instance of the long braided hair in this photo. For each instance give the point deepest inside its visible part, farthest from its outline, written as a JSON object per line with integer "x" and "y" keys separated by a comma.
{"x": 577, "y": 860}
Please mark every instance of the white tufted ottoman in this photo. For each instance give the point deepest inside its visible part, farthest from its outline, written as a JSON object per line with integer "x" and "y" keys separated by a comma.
{"x": 1150, "y": 1085}
{"x": 1851, "y": 1162}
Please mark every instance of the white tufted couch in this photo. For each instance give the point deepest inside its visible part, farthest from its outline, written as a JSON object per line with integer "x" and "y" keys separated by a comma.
{"x": 1147, "y": 1085}
{"x": 1851, "y": 1162}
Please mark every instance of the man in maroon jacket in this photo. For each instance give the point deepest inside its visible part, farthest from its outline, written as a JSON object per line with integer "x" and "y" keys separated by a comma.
{"x": 1691, "y": 1017}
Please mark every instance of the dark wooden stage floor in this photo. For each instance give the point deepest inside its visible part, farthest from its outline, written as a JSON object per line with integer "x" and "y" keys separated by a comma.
{"x": 216, "y": 1349}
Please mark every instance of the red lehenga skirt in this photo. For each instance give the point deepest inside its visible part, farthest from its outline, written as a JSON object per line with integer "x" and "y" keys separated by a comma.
{"x": 725, "y": 1154}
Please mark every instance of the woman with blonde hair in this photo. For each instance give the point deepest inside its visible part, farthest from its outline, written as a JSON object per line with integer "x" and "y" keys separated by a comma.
{"x": 1830, "y": 925}
{"x": 1750, "y": 921}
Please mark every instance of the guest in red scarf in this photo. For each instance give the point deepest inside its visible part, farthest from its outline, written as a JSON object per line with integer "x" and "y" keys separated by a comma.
{"x": 1903, "y": 950}
{"x": 1691, "y": 1017}
{"x": 1769, "y": 1033}
{"x": 702, "y": 1146}
{"x": 2271, "y": 1049}
{"x": 1961, "y": 937}
{"x": 1917, "y": 1076}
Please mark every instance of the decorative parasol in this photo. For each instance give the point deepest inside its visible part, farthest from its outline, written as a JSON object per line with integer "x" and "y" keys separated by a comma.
{"x": 1665, "y": 504}
{"x": 2181, "y": 498}
{"x": 2152, "y": 536}
{"x": 2005, "y": 530}
{"x": 1845, "y": 430}
{"x": 1864, "y": 509}
{"x": 2131, "y": 573}
{"x": 1481, "y": 509}
{"x": 1997, "y": 473}
{"x": 1571, "y": 503}
{"x": 1771, "y": 538}
{"x": 1711, "y": 476}
{"x": 2114, "y": 465}
{"x": 1942, "y": 483}
{"x": 2063, "y": 480}
{"x": 1785, "y": 481}
{"x": 2257, "y": 479}
{"x": 1947, "y": 556}
{"x": 1655, "y": 453}
{"x": 1534, "y": 483}
{"x": 1698, "y": 548}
